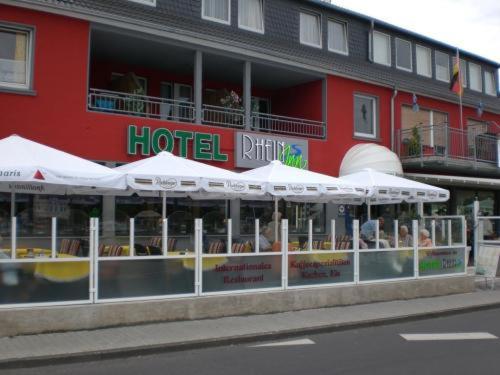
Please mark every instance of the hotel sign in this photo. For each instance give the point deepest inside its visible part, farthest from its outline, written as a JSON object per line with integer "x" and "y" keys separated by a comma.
{"x": 255, "y": 150}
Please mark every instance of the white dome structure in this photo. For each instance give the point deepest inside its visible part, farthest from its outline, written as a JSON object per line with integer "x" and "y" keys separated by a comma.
{"x": 370, "y": 155}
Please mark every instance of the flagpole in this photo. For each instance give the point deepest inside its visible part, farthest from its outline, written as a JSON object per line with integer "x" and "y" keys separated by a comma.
{"x": 461, "y": 88}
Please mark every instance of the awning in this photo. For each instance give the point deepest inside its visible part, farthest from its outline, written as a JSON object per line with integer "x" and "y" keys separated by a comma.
{"x": 472, "y": 182}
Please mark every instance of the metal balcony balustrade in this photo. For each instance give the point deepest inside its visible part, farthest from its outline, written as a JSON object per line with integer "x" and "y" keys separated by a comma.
{"x": 184, "y": 111}
{"x": 445, "y": 143}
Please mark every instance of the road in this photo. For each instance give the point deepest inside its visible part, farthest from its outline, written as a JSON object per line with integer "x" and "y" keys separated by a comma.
{"x": 372, "y": 350}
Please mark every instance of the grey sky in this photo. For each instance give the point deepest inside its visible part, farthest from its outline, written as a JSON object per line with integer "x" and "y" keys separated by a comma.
{"x": 471, "y": 25}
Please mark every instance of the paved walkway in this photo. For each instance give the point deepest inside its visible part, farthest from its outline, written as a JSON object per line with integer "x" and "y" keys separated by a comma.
{"x": 133, "y": 340}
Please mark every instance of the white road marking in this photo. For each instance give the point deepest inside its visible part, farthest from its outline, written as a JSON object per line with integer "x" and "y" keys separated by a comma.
{"x": 286, "y": 343}
{"x": 448, "y": 336}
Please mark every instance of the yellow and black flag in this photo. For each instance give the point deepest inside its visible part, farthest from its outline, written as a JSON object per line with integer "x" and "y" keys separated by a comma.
{"x": 456, "y": 79}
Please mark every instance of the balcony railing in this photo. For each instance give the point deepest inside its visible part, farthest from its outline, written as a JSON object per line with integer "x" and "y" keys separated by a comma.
{"x": 287, "y": 125}
{"x": 177, "y": 110}
{"x": 140, "y": 105}
{"x": 442, "y": 141}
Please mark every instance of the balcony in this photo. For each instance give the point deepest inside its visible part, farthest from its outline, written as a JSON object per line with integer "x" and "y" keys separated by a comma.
{"x": 432, "y": 147}
{"x": 150, "y": 78}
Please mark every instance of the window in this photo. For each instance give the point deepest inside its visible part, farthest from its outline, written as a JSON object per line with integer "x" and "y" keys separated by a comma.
{"x": 403, "y": 55}
{"x": 251, "y": 15}
{"x": 365, "y": 116}
{"x": 310, "y": 29}
{"x": 430, "y": 123}
{"x": 337, "y": 37}
{"x": 381, "y": 48}
{"x": 442, "y": 67}
{"x": 145, "y": 2}
{"x": 424, "y": 64}
{"x": 15, "y": 57}
{"x": 475, "y": 80}
{"x": 489, "y": 83}
{"x": 463, "y": 72}
{"x": 216, "y": 10}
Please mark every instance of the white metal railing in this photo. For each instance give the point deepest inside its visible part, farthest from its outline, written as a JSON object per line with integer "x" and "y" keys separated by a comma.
{"x": 288, "y": 125}
{"x": 223, "y": 116}
{"x": 140, "y": 105}
{"x": 166, "y": 263}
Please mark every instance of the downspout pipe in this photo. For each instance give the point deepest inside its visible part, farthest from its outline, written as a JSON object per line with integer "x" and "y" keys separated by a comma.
{"x": 393, "y": 97}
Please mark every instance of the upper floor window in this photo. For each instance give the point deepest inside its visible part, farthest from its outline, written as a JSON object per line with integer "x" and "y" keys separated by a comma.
{"x": 310, "y": 29}
{"x": 145, "y": 2}
{"x": 217, "y": 10}
{"x": 475, "y": 81}
{"x": 424, "y": 62}
{"x": 15, "y": 57}
{"x": 251, "y": 15}
{"x": 489, "y": 83}
{"x": 463, "y": 72}
{"x": 442, "y": 66}
{"x": 381, "y": 48}
{"x": 403, "y": 55}
{"x": 337, "y": 37}
{"x": 365, "y": 116}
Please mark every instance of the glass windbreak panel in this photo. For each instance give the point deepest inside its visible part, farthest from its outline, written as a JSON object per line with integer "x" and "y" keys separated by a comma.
{"x": 405, "y": 236}
{"x": 44, "y": 282}
{"x": 314, "y": 269}
{"x": 442, "y": 232}
{"x": 343, "y": 227}
{"x": 489, "y": 229}
{"x": 222, "y": 274}
{"x": 380, "y": 265}
{"x": 145, "y": 277}
{"x": 434, "y": 262}
{"x": 179, "y": 242}
{"x": 5, "y": 236}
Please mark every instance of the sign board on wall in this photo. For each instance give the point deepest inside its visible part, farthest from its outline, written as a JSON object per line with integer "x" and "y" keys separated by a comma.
{"x": 255, "y": 150}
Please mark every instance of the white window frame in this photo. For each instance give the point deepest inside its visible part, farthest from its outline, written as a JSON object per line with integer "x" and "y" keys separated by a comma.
{"x": 463, "y": 72}
{"x": 243, "y": 27}
{"x": 145, "y": 2}
{"x": 471, "y": 64}
{"x": 29, "y": 57}
{"x": 228, "y": 22}
{"x": 493, "y": 87}
{"x": 318, "y": 16}
{"x": 436, "y": 53}
{"x": 346, "y": 35}
{"x": 411, "y": 55}
{"x": 373, "y": 48}
{"x": 429, "y": 53}
{"x": 374, "y": 100}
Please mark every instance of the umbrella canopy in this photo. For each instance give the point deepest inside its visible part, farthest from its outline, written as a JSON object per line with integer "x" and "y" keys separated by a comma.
{"x": 299, "y": 184}
{"x": 385, "y": 188}
{"x": 166, "y": 172}
{"x": 30, "y": 167}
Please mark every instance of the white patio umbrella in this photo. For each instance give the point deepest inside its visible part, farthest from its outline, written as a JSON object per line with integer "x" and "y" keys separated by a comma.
{"x": 31, "y": 167}
{"x": 383, "y": 188}
{"x": 296, "y": 184}
{"x": 176, "y": 176}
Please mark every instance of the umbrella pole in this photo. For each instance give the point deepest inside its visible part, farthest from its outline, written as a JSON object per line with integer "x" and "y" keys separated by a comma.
{"x": 276, "y": 223}
{"x": 163, "y": 205}
{"x": 12, "y": 204}
{"x": 369, "y": 209}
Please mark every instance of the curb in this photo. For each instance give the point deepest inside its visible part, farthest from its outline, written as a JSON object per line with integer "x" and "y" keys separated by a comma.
{"x": 230, "y": 340}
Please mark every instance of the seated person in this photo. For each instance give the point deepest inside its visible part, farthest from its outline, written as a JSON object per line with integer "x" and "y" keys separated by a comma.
{"x": 405, "y": 239}
{"x": 424, "y": 239}
{"x": 367, "y": 234}
{"x": 266, "y": 239}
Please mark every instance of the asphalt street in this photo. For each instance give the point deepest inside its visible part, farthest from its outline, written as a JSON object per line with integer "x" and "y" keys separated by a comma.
{"x": 372, "y": 350}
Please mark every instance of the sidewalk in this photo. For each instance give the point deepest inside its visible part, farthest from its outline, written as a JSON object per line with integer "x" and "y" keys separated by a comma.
{"x": 134, "y": 340}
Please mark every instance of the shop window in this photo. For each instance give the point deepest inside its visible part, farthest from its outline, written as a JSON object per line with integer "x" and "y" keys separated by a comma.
{"x": 216, "y": 10}
{"x": 337, "y": 37}
{"x": 403, "y": 55}
{"x": 442, "y": 66}
{"x": 381, "y": 48}
{"x": 15, "y": 57}
{"x": 251, "y": 15}
{"x": 365, "y": 116}
{"x": 475, "y": 80}
{"x": 489, "y": 83}
{"x": 424, "y": 63}
{"x": 310, "y": 29}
